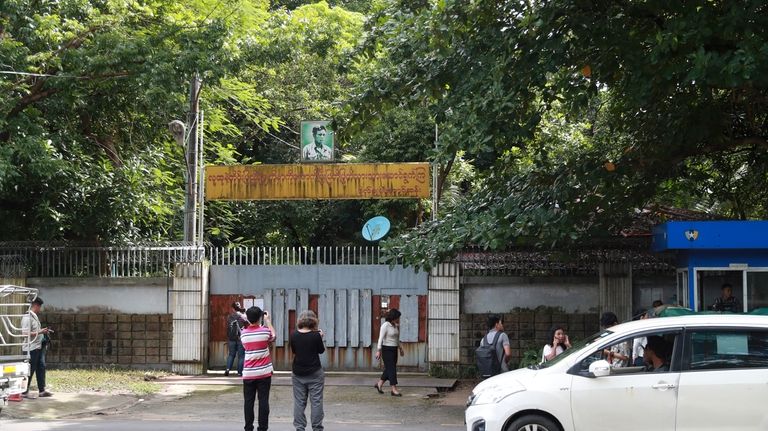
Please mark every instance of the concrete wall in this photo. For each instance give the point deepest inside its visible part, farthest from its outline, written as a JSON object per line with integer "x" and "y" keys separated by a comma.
{"x": 140, "y": 341}
{"x": 103, "y": 295}
{"x": 527, "y": 330}
{"x": 502, "y": 294}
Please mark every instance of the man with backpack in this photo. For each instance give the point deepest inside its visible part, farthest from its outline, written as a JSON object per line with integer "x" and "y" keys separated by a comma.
{"x": 235, "y": 323}
{"x": 494, "y": 350}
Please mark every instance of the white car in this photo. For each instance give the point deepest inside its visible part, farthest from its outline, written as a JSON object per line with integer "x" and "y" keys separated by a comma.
{"x": 716, "y": 378}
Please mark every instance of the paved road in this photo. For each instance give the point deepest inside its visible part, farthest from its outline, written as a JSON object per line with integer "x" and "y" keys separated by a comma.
{"x": 219, "y": 425}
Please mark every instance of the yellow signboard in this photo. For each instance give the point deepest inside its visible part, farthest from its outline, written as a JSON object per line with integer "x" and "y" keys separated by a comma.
{"x": 317, "y": 181}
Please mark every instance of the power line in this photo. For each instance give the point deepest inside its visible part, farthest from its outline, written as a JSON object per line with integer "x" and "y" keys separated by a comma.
{"x": 229, "y": 99}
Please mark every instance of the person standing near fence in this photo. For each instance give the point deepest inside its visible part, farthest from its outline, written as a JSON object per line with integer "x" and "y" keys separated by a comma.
{"x": 388, "y": 347}
{"x": 257, "y": 371}
{"x": 34, "y": 335}
{"x": 308, "y": 377}
{"x": 236, "y": 321}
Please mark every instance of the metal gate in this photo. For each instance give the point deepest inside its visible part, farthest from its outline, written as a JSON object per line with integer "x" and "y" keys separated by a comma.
{"x": 349, "y": 298}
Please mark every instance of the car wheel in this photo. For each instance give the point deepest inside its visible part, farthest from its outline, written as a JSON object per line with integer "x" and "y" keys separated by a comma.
{"x": 533, "y": 423}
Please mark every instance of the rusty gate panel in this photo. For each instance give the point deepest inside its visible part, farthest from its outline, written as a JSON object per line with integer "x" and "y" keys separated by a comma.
{"x": 346, "y": 316}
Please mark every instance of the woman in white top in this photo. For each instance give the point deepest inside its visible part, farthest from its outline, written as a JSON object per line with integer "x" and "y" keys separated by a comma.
{"x": 389, "y": 344}
{"x": 559, "y": 343}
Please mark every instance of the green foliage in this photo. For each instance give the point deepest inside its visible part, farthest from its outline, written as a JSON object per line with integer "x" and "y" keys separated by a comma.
{"x": 575, "y": 113}
{"x": 531, "y": 356}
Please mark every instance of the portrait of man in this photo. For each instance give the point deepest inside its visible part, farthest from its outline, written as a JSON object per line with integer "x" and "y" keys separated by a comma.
{"x": 316, "y": 141}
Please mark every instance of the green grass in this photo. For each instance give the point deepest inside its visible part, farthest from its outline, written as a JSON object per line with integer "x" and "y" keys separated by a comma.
{"x": 107, "y": 380}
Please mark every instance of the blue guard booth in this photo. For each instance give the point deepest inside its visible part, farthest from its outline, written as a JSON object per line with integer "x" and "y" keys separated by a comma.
{"x": 713, "y": 253}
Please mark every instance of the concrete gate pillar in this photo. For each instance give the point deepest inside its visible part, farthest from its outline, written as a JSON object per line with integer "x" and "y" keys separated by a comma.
{"x": 616, "y": 289}
{"x": 189, "y": 306}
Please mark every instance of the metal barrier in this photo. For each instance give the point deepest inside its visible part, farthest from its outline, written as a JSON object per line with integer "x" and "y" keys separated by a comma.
{"x": 297, "y": 255}
{"x": 64, "y": 260}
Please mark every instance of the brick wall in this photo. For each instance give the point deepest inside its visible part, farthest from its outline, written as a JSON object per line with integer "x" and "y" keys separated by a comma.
{"x": 526, "y": 330}
{"x": 141, "y": 341}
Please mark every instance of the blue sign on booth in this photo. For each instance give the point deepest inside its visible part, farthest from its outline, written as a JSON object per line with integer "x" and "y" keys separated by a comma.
{"x": 713, "y": 254}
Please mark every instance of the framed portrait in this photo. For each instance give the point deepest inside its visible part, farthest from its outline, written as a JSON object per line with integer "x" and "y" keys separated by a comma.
{"x": 316, "y": 141}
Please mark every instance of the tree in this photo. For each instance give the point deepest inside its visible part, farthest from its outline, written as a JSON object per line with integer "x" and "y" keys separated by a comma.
{"x": 574, "y": 113}
{"x": 87, "y": 91}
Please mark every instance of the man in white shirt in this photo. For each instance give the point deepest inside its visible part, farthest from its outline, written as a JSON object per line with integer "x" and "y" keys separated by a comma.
{"x": 317, "y": 150}
{"x": 33, "y": 343}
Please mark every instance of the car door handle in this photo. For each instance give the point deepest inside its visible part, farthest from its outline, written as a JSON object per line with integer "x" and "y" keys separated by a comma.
{"x": 663, "y": 386}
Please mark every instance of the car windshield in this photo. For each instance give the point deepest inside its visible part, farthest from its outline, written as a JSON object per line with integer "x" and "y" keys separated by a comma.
{"x": 574, "y": 348}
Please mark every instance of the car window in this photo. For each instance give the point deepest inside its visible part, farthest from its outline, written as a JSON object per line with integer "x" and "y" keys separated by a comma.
{"x": 712, "y": 349}
{"x": 626, "y": 355}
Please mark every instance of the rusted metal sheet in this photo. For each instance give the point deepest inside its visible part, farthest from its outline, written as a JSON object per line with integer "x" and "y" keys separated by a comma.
{"x": 422, "y": 318}
{"x": 221, "y": 306}
{"x": 318, "y": 181}
{"x": 345, "y": 315}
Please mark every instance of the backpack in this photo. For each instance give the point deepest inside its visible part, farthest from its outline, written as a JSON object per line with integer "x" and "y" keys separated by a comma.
{"x": 488, "y": 363}
{"x": 233, "y": 329}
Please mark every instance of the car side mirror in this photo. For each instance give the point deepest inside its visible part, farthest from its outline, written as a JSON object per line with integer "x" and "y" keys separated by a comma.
{"x": 600, "y": 368}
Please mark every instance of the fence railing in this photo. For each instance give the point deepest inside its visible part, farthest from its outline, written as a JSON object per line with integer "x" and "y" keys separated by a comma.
{"x": 526, "y": 263}
{"x": 296, "y": 255}
{"x": 76, "y": 261}
{"x": 156, "y": 261}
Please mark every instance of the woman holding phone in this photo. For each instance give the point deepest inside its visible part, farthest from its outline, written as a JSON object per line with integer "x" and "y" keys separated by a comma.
{"x": 559, "y": 342}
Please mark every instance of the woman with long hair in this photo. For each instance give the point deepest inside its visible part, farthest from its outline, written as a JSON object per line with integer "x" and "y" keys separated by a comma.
{"x": 558, "y": 343}
{"x": 388, "y": 346}
{"x": 308, "y": 377}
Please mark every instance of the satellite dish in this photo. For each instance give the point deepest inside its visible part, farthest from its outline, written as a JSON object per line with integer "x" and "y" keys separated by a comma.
{"x": 375, "y": 228}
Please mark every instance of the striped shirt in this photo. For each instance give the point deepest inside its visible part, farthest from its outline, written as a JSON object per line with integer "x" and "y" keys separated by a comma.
{"x": 256, "y": 340}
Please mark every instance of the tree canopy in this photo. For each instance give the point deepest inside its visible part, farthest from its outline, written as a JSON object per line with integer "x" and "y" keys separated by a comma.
{"x": 548, "y": 121}
{"x": 575, "y": 113}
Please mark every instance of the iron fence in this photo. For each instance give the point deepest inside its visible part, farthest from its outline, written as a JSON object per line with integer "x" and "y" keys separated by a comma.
{"x": 60, "y": 260}
{"x": 528, "y": 262}
{"x": 67, "y": 260}
{"x": 331, "y": 255}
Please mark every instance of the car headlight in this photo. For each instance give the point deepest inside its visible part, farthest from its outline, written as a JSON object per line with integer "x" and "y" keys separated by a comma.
{"x": 492, "y": 395}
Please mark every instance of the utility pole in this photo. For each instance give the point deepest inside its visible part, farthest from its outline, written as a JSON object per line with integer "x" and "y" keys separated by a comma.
{"x": 435, "y": 180}
{"x": 190, "y": 199}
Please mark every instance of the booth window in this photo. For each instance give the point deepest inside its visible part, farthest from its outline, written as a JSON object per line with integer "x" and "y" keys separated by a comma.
{"x": 757, "y": 290}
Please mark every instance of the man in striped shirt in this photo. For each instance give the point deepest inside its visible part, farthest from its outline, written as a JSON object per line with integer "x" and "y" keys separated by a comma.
{"x": 257, "y": 369}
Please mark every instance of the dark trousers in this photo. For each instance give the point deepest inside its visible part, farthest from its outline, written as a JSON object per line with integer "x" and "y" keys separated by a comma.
{"x": 252, "y": 388}
{"x": 37, "y": 367}
{"x": 389, "y": 356}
